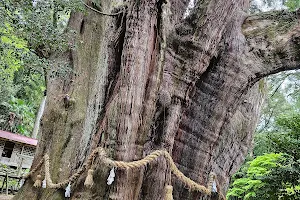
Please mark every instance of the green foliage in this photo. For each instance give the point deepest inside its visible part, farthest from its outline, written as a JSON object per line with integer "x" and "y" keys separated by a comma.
{"x": 272, "y": 175}
{"x": 282, "y": 98}
{"x": 21, "y": 86}
{"x": 283, "y": 180}
{"x": 250, "y": 184}
{"x": 286, "y": 139}
{"x": 21, "y": 118}
{"x": 11, "y": 182}
{"x": 293, "y": 4}
{"x": 273, "y": 172}
{"x": 10, "y": 48}
{"x": 41, "y": 23}
{"x": 29, "y": 33}
{"x": 262, "y": 143}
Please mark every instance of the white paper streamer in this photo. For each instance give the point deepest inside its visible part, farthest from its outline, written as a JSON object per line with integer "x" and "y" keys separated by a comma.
{"x": 111, "y": 177}
{"x": 214, "y": 187}
{"x": 68, "y": 190}
{"x": 44, "y": 185}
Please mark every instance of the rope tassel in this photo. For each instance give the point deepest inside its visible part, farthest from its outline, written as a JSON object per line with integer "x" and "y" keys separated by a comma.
{"x": 38, "y": 181}
{"x": 212, "y": 182}
{"x": 89, "y": 179}
{"x": 169, "y": 191}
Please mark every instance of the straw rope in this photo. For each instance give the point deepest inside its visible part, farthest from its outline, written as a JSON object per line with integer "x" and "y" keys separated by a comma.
{"x": 98, "y": 11}
{"x": 192, "y": 185}
{"x": 169, "y": 192}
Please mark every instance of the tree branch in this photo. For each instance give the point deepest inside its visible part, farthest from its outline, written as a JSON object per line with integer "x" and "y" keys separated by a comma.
{"x": 274, "y": 38}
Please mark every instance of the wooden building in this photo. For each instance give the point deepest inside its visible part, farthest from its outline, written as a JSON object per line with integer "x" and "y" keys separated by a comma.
{"x": 16, "y": 150}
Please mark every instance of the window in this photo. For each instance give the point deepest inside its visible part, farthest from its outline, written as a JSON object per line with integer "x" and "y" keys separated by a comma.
{"x": 8, "y": 149}
{"x": 28, "y": 151}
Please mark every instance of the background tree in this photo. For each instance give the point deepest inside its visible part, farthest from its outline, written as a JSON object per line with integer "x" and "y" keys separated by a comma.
{"x": 21, "y": 85}
{"x": 147, "y": 77}
{"x": 272, "y": 175}
{"x": 282, "y": 92}
{"x": 29, "y": 33}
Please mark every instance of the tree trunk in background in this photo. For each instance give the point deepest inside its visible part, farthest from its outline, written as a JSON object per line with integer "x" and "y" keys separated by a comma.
{"x": 37, "y": 122}
{"x": 149, "y": 79}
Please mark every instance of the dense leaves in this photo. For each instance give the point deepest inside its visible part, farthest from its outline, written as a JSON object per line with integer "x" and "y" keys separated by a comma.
{"x": 21, "y": 85}
{"x": 282, "y": 98}
{"x": 29, "y": 33}
{"x": 293, "y": 4}
{"x": 272, "y": 175}
{"x": 248, "y": 183}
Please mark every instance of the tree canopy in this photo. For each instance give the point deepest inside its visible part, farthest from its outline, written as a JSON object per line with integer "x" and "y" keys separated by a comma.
{"x": 29, "y": 33}
{"x": 275, "y": 172}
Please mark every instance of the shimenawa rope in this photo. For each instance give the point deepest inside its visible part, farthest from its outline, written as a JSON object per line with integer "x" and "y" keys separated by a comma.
{"x": 192, "y": 185}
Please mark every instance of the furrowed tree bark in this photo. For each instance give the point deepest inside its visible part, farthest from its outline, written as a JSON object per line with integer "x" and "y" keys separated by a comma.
{"x": 150, "y": 78}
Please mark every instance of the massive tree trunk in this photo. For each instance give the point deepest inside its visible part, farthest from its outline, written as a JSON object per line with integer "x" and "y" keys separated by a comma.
{"x": 149, "y": 78}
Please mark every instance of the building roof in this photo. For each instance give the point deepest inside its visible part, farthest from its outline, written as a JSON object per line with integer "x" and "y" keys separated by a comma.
{"x": 18, "y": 138}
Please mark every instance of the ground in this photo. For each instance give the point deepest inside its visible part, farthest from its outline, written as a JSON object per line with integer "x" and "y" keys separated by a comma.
{"x": 5, "y": 197}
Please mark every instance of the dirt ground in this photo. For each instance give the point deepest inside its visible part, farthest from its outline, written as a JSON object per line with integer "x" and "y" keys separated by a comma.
{"x": 4, "y": 197}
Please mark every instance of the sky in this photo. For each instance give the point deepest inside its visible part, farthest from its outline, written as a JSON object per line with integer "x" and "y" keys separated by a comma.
{"x": 267, "y": 5}
{"x": 257, "y": 5}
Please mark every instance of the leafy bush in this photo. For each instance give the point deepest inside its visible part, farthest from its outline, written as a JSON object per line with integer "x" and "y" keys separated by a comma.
{"x": 293, "y": 4}
{"x": 274, "y": 175}
{"x": 250, "y": 184}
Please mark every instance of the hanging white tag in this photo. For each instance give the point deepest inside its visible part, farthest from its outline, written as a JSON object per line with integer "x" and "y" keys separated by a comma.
{"x": 44, "y": 185}
{"x": 68, "y": 190}
{"x": 111, "y": 176}
{"x": 214, "y": 187}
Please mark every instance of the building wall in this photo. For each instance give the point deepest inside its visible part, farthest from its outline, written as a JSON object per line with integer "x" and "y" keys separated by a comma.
{"x": 14, "y": 156}
{"x": 20, "y": 150}
{"x": 2, "y": 142}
